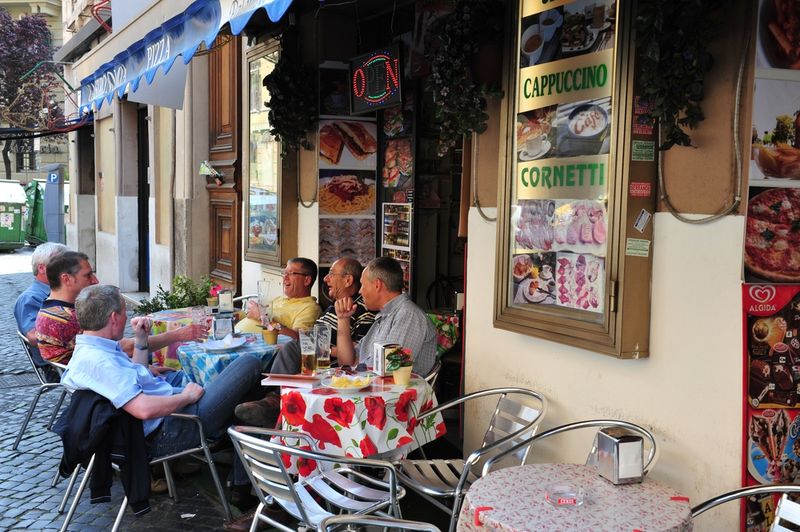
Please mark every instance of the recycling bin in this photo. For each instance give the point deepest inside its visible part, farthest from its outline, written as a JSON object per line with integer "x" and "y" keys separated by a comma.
{"x": 12, "y": 203}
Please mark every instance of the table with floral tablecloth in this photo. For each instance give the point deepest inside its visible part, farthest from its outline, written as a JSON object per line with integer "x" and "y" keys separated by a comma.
{"x": 201, "y": 366}
{"x": 513, "y": 499}
{"x": 379, "y": 421}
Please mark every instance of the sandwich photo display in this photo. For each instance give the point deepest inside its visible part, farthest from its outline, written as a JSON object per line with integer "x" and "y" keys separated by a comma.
{"x": 347, "y": 144}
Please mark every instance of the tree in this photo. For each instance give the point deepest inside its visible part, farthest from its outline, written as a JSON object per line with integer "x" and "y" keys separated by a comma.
{"x": 26, "y": 103}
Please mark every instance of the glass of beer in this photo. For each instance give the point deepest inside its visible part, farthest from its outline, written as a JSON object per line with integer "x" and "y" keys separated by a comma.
{"x": 308, "y": 352}
{"x": 322, "y": 335}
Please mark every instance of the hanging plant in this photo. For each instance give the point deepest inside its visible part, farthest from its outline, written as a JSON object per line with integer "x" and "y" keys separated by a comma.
{"x": 292, "y": 104}
{"x": 672, "y": 41}
{"x": 459, "y": 99}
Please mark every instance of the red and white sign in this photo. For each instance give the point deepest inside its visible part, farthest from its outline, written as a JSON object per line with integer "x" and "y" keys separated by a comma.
{"x": 641, "y": 190}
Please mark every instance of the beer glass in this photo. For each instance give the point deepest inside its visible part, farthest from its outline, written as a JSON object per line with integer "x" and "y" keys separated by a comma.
{"x": 322, "y": 335}
{"x": 308, "y": 352}
{"x": 265, "y": 301}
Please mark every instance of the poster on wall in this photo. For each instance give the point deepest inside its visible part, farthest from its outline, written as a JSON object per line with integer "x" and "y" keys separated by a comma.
{"x": 778, "y": 45}
{"x": 775, "y": 151}
{"x": 563, "y": 139}
{"x": 772, "y": 235}
{"x": 347, "y": 144}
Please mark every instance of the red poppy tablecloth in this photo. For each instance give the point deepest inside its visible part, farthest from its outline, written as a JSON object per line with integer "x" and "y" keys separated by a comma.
{"x": 513, "y": 499}
{"x": 378, "y": 420}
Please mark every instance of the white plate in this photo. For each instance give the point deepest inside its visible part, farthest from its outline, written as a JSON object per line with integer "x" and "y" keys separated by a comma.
{"x": 539, "y": 296}
{"x": 326, "y": 383}
{"x": 525, "y": 156}
{"x": 588, "y": 44}
{"x": 220, "y": 346}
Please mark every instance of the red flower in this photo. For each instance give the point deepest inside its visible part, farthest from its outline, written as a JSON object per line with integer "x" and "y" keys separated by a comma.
{"x": 367, "y": 447}
{"x": 412, "y": 424}
{"x": 404, "y": 440}
{"x": 305, "y": 466}
{"x": 401, "y": 408}
{"x": 376, "y": 411}
{"x": 293, "y": 408}
{"x": 287, "y": 460}
{"x": 340, "y": 411}
{"x": 440, "y": 430}
{"x": 322, "y": 431}
{"x": 426, "y": 406}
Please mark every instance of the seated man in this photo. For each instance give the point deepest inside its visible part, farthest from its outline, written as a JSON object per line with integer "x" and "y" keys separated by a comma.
{"x": 57, "y": 324}
{"x": 343, "y": 280}
{"x": 295, "y": 309}
{"x": 399, "y": 320}
{"x": 30, "y": 301}
{"x": 100, "y": 365}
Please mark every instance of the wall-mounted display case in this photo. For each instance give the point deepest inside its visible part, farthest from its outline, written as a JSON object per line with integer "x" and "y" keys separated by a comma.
{"x": 578, "y": 194}
{"x": 396, "y": 236}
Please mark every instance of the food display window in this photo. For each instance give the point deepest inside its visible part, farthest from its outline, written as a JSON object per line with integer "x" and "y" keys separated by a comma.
{"x": 578, "y": 194}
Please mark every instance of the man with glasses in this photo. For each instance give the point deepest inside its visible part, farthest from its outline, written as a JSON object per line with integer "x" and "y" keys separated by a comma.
{"x": 57, "y": 325}
{"x": 296, "y": 308}
{"x": 343, "y": 281}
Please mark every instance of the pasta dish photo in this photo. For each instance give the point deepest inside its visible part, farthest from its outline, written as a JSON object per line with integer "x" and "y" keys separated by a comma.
{"x": 346, "y": 194}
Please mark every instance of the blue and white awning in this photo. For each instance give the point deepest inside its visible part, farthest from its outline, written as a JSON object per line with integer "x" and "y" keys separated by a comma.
{"x": 179, "y": 36}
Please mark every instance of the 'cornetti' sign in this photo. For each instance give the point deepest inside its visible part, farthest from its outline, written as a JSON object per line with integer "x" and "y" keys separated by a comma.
{"x": 375, "y": 80}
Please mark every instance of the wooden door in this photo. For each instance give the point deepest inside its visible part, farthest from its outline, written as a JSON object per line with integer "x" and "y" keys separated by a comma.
{"x": 225, "y": 200}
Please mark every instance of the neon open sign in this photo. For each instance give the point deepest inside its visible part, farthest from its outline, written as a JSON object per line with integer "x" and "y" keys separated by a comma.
{"x": 375, "y": 80}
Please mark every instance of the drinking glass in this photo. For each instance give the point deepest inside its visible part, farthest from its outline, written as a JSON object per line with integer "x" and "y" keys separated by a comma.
{"x": 265, "y": 301}
{"x": 198, "y": 315}
{"x": 308, "y": 352}
{"x": 322, "y": 335}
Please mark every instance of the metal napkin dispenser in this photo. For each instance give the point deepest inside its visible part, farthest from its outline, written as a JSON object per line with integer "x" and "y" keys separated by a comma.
{"x": 619, "y": 455}
{"x": 221, "y": 326}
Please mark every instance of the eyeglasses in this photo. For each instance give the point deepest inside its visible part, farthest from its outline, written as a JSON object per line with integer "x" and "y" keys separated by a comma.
{"x": 338, "y": 273}
{"x": 285, "y": 273}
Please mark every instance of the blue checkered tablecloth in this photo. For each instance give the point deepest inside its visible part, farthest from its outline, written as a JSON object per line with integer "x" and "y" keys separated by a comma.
{"x": 201, "y": 366}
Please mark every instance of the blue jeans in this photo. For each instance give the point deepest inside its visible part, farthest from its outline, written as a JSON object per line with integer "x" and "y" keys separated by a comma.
{"x": 215, "y": 410}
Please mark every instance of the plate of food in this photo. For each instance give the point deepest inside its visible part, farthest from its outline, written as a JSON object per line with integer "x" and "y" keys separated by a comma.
{"x": 228, "y": 343}
{"x": 346, "y": 194}
{"x": 522, "y": 267}
{"x": 778, "y": 35}
{"x": 781, "y": 161}
{"x": 348, "y": 383}
{"x": 534, "y": 291}
{"x": 576, "y": 36}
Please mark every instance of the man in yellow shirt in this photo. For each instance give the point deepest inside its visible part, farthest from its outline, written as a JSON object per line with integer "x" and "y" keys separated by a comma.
{"x": 295, "y": 309}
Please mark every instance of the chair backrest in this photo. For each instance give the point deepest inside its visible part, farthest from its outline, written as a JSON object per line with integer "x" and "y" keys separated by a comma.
{"x": 596, "y": 423}
{"x": 514, "y": 420}
{"x": 433, "y": 376}
{"x": 330, "y": 523}
{"x": 786, "y": 513}
{"x": 26, "y": 346}
{"x": 741, "y": 493}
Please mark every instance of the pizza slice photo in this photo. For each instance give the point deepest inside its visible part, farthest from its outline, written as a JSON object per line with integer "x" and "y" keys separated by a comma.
{"x": 772, "y": 236}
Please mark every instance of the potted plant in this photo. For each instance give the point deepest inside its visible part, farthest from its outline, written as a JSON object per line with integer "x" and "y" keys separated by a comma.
{"x": 213, "y": 295}
{"x": 292, "y": 103}
{"x": 185, "y": 293}
{"x": 399, "y": 362}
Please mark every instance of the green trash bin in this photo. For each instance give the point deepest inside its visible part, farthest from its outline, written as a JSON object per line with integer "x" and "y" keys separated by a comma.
{"x": 34, "y": 223}
{"x": 12, "y": 203}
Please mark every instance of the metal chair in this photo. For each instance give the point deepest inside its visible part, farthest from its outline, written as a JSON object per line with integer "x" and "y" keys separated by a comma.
{"x": 513, "y": 421}
{"x": 786, "y": 513}
{"x": 433, "y": 375}
{"x": 747, "y": 492}
{"x": 44, "y": 387}
{"x": 592, "y": 423}
{"x": 164, "y": 460}
{"x": 330, "y": 523}
{"x": 343, "y": 488}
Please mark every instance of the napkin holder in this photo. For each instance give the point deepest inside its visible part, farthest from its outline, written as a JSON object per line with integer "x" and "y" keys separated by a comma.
{"x": 379, "y": 353}
{"x": 618, "y": 455}
{"x": 221, "y": 325}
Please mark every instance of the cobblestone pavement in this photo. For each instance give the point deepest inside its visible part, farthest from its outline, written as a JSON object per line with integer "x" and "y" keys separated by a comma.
{"x": 27, "y": 500}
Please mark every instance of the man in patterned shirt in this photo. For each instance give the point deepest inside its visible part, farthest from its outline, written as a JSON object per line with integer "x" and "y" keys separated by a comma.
{"x": 399, "y": 321}
{"x": 343, "y": 280}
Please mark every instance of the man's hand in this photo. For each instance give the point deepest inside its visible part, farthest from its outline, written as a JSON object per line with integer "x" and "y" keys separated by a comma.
{"x": 193, "y": 392}
{"x": 253, "y": 310}
{"x": 345, "y": 308}
{"x": 157, "y": 371}
{"x": 191, "y": 332}
{"x": 141, "y": 328}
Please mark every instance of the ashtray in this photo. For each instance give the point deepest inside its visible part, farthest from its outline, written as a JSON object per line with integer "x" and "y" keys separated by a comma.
{"x": 562, "y": 494}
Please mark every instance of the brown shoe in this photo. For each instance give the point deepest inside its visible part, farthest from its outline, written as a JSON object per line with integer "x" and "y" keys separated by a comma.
{"x": 261, "y": 413}
{"x": 158, "y": 485}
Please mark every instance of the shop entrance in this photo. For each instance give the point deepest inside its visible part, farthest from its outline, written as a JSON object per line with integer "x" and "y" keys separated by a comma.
{"x": 143, "y": 198}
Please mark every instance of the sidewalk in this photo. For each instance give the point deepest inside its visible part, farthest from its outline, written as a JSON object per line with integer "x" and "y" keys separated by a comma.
{"x": 27, "y": 502}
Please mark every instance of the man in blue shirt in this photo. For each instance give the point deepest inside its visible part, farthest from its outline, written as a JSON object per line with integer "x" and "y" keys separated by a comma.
{"x": 30, "y": 301}
{"x": 98, "y": 364}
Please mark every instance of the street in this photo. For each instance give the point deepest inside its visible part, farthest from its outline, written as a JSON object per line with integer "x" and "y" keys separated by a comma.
{"x": 28, "y": 502}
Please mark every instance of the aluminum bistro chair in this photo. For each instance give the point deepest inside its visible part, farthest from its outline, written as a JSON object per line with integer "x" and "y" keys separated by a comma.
{"x": 433, "y": 375}
{"x": 164, "y": 460}
{"x": 786, "y": 513}
{"x": 331, "y": 523}
{"x": 747, "y": 492}
{"x": 513, "y": 421}
{"x": 344, "y": 489}
{"x": 648, "y": 464}
{"x": 44, "y": 387}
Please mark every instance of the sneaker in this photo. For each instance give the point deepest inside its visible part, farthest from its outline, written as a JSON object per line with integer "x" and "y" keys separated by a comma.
{"x": 261, "y": 413}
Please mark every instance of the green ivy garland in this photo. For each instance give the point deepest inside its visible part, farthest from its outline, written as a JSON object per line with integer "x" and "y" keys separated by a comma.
{"x": 672, "y": 48}
{"x": 460, "y": 102}
{"x": 292, "y": 105}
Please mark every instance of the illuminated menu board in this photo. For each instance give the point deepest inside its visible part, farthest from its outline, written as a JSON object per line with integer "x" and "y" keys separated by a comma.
{"x": 375, "y": 80}
{"x": 559, "y": 198}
